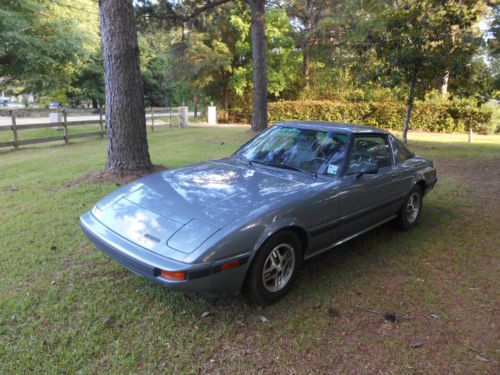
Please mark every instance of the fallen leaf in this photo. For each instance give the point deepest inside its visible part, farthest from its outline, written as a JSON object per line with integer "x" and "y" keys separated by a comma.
{"x": 263, "y": 319}
{"x": 205, "y": 314}
{"x": 416, "y": 344}
{"x": 435, "y": 317}
{"x": 481, "y": 358}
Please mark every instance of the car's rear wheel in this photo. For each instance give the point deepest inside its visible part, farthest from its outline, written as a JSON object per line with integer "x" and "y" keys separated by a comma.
{"x": 409, "y": 214}
{"x": 273, "y": 269}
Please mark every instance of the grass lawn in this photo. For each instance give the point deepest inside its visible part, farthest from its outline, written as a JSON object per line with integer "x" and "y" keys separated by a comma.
{"x": 65, "y": 307}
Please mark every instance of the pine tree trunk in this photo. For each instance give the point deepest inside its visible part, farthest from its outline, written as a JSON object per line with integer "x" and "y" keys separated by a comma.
{"x": 306, "y": 48}
{"x": 125, "y": 114}
{"x": 446, "y": 77}
{"x": 259, "y": 49}
{"x": 305, "y": 64}
{"x": 406, "y": 123}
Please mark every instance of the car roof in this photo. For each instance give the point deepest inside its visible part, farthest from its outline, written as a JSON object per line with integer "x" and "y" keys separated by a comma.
{"x": 323, "y": 125}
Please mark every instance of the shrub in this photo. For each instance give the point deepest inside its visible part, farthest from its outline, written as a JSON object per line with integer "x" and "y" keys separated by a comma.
{"x": 453, "y": 117}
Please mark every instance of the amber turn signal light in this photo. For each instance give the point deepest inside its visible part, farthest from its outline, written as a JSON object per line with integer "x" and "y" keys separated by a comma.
{"x": 173, "y": 275}
{"x": 229, "y": 265}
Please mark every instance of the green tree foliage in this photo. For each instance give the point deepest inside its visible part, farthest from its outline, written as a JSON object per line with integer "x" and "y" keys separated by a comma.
{"x": 212, "y": 57}
{"x": 155, "y": 68}
{"x": 44, "y": 44}
{"x": 283, "y": 58}
{"x": 419, "y": 56}
{"x": 446, "y": 116}
{"x": 191, "y": 50}
{"x": 494, "y": 46}
{"x": 88, "y": 82}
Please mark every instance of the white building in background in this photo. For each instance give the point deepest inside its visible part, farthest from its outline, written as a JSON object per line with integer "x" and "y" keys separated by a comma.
{"x": 16, "y": 101}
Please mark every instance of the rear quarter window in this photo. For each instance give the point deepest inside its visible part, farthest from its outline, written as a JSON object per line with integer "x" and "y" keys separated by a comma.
{"x": 401, "y": 153}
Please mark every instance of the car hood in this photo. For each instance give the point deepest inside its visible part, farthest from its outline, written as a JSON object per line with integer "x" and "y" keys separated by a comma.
{"x": 186, "y": 206}
{"x": 216, "y": 192}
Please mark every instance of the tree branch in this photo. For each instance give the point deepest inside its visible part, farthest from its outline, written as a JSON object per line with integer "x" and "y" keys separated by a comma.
{"x": 208, "y": 5}
{"x": 173, "y": 15}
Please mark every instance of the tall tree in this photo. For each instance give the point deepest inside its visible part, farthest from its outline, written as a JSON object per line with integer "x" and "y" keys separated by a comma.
{"x": 459, "y": 17}
{"x": 259, "y": 59}
{"x": 306, "y": 16}
{"x": 417, "y": 56}
{"x": 185, "y": 13}
{"x": 125, "y": 115}
{"x": 494, "y": 45}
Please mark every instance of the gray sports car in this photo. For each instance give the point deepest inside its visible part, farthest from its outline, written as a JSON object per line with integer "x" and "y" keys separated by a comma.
{"x": 247, "y": 222}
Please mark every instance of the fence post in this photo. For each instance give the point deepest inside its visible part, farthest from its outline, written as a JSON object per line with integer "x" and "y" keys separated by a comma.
{"x": 183, "y": 117}
{"x": 153, "y": 118}
{"x": 65, "y": 125}
{"x": 14, "y": 130}
{"x": 101, "y": 125}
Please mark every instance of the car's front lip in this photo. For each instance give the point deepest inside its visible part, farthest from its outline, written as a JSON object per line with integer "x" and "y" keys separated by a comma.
{"x": 199, "y": 277}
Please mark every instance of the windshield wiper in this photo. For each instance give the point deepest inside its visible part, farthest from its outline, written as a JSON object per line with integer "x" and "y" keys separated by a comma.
{"x": 290, "y": 167}
{"x": 245, "y": 159}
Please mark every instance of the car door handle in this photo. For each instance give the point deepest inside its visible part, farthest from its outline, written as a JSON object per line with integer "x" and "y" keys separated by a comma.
{"x": 395, "y": 177}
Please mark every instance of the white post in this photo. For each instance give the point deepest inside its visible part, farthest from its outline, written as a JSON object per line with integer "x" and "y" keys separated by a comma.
{"x": 212, "y": 115}
{"x": 183, "y": 117}
{"x": 55, "y": 116}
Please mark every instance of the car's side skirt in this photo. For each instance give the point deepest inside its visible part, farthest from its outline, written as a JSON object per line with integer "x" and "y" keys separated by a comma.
{"x": 350, "y": 237}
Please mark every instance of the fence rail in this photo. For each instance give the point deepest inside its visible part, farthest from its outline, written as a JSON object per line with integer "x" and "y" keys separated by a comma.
{"x": 65, "y": 125}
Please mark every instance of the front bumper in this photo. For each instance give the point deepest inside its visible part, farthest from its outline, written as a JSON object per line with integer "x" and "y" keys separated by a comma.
{"x": 200, "y": 277}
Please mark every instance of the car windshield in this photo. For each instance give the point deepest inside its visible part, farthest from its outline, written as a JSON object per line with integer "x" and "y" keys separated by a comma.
{"x": 299, "y": 149}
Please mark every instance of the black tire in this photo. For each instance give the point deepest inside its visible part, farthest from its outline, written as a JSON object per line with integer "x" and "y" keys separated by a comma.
{"x": 406, "y": 219}
{"x": 255, "y": 288}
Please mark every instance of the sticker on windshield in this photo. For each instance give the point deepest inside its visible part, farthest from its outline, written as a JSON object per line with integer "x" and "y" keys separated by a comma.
{"x": 332, "y": 169}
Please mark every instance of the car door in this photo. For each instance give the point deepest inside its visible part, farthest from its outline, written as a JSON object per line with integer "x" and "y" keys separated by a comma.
{"x": 367, "y": 199}
{"x": 403, "y": 168}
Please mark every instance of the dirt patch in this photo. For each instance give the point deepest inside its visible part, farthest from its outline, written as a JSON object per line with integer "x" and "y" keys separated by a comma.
{"x": 482, "y": 176}
{"x": 108, "y": 177}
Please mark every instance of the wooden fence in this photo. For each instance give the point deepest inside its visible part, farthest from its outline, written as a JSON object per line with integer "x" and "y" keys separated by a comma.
{"x": 66, "y": 125}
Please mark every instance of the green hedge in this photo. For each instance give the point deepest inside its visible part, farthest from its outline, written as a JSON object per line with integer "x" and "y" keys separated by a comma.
{"x": 387, "y": 115}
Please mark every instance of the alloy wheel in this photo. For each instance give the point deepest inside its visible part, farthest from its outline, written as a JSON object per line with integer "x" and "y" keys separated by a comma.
{"x": 278, "y": 267}
{"x": 413, "y": 207}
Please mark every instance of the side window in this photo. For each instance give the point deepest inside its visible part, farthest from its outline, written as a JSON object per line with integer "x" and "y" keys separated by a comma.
{"x": 333, "y": 149}
{"x": 401, "y": 153}
{"x": 369, "y": 150}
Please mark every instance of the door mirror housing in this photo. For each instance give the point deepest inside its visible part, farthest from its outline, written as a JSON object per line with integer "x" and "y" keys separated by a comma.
{"x": 368, "y": 168}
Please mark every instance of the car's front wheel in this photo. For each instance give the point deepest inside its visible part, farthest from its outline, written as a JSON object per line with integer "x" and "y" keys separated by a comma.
{"x": 274, "y": 268}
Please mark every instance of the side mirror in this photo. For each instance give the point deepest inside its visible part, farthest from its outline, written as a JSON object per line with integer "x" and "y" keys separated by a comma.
{"x": 368, "y": 168}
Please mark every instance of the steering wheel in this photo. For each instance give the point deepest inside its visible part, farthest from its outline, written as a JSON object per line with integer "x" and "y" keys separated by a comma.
{"x": 312, "y": 164}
